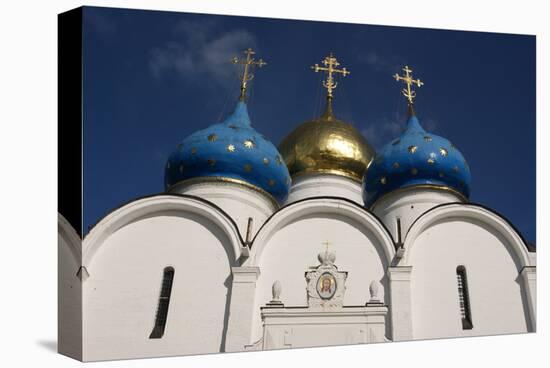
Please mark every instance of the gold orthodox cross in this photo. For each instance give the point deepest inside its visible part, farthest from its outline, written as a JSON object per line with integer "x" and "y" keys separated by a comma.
{"x": 330, "y": 67}
{"x": 248, "y": 64}
{"x": 409, "y": 81}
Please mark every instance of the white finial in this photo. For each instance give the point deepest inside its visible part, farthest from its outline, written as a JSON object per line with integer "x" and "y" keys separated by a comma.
{"x": 326, "y": 258}
{"x": 276, "y": 290}
{"x": 373, "y": 289}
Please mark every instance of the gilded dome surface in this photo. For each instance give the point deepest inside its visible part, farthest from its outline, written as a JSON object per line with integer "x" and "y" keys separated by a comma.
{"x": 327, "y": 145}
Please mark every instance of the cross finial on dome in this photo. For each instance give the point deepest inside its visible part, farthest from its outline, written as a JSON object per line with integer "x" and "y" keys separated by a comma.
{"x": 408, "y": 92}
{"x": 248, "y": 64}
{"x": 330, "y": 67}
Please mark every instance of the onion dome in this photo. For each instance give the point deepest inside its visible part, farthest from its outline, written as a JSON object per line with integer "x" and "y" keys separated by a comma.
{"x": 416, "y": 158}
{"x": 231, "y": 151}
{"x": 327, "y": 145}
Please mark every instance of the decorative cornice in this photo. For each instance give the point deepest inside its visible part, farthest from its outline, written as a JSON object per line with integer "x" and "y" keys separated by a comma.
{"x": 421, "y": 186}
{"x": 328, "y": 171}
{"x": 220, "y": 179}
{"x": 317, "y": 198}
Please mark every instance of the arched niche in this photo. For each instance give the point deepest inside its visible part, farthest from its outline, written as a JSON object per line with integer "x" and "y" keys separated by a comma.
{"x": 156, "y": 206}
{"x": 288, "y": 244}
{"x": 489, "y": 251}
{"x": 474, "y": 214}
{"x": 126, "y": 255}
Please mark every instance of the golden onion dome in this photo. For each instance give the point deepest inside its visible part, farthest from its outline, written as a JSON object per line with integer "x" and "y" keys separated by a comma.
{"x": 327, "y": 145}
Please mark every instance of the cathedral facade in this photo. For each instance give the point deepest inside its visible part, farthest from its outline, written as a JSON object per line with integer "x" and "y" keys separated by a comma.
{"x": 321, "y": 241}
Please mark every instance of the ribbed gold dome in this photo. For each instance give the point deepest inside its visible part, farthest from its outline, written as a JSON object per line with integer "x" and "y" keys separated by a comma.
{"x": 327, "y": 145}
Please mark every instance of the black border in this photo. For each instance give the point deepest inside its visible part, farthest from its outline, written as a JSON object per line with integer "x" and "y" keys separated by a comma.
{"x": 69, "y": 115}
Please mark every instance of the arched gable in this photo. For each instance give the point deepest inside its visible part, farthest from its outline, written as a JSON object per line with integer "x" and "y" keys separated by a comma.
{"x": 470, "y": 212}
{"x": 322, "y": 205}
{"x": 155, "y": 206}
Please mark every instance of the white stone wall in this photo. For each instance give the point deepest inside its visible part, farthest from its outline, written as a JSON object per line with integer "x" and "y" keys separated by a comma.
{"x": 69, "y": 291}
{"x": 122, "y": 292}
{"x": 238, "y": 201}
{"x": 215, "y": 302}
{"x": 408, "y": 205}
{"x": 315, "y": 185}
{"x": 493, "y": 258}
{"x": 285, "y": 251}
{"x": 302, "y": 327}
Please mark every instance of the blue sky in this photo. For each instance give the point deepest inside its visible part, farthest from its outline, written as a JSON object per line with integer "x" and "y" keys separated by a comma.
{"x": 152, "y": 78}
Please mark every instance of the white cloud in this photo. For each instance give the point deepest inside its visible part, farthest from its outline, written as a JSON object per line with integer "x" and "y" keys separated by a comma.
{"x": 382, "y": 132}
{"x": 429, "y": 124}
{"x": 100, "y": 22}
{"x": 385, "y": 130}
{"x": 200, "y": 52}
{"x": 374, "y": 60}
{"x": 379, "y": 62}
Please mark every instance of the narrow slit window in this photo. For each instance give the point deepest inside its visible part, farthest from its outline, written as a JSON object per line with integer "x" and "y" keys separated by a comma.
{"x": 164, "y": 302}
{"x": 464, "y": 298}
{"x": 398, "y": 228}
{"x": 249, "y": 231}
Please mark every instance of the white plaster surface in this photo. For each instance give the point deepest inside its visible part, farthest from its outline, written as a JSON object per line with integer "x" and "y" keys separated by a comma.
{"x": 69, "y": 291}
{"x": 238, "y": 201}
{"x": 121, "y": 295}
{"x": 220, "y": 285}
{"x": 293, "y": 248}
{"x": 408, "y": 205}
{"x": 316, "y": 185}
{"x": 495, "y": 290}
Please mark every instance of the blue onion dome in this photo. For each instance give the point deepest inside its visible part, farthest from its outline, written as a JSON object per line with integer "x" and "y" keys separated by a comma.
{"x": 230, "y": 151}
{"x": 416, "y": 158}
